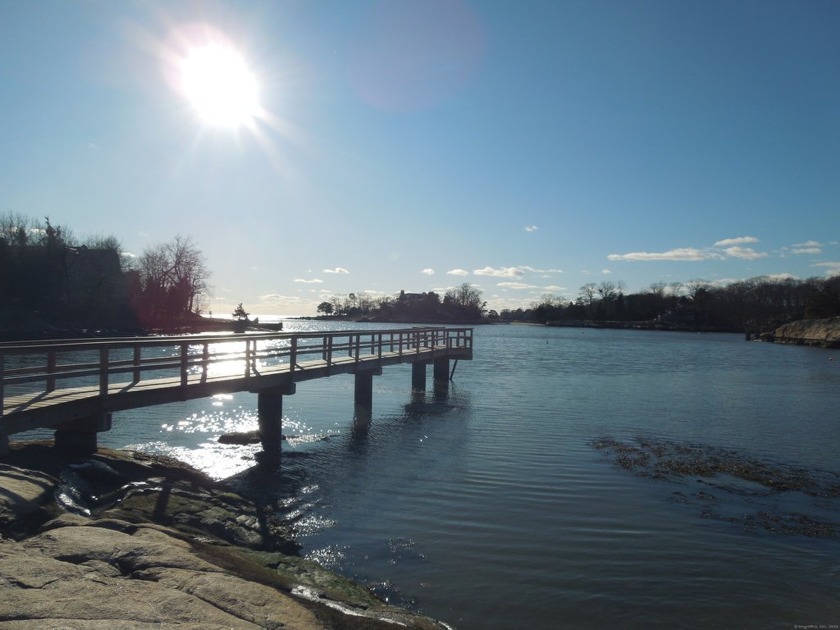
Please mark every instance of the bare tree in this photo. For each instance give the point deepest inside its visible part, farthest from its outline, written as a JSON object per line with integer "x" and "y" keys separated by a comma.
{"x": 173, "y": 277}
{"x": 464, "y": 301}
{"x": 587, "y": 293}
{"x": 695, "y": 286}
{"x": 14, "y": 229}
{"x": 608, "y": 290}
{"x": 658, "y": 289}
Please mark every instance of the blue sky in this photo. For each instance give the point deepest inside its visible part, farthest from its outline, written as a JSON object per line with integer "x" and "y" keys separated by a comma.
{"x": 528, "y": 147}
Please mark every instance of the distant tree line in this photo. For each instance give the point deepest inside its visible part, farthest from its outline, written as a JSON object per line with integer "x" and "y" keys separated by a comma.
{"x": 462, "y": 304}
{"x": 757, "y": 304}
{"x": 48, "y": 275}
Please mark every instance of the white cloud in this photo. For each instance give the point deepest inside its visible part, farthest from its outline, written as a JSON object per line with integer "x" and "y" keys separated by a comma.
{"x": 740, "y": 240}
{"x": 554, "y": 288}
{"x": 682, "y": 253}
{"x": 606, "y": 272}
{"x": 808, "y": 247}
{"x": 732, "y": 247}
{"x": 747, "y": 253}
{"x": 831, "y": 268}
{"x": 501, "y": 272}
{"x": 516, "y": 285}
{"x": 781, "y": 276}
{"x": 531, "y": 228}
{"x": 428, "y": 271}
{"x": 313, "y": 281}
{"x": 458, "y": 272}
{"x": 336, "y": 270}
{"x": 534, "y": 270}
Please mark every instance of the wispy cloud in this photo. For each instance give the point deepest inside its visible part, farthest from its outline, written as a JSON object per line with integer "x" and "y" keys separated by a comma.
{"x": 682, "y": 253}
{"x": 516, "y": 285}
{"x": 458, "y": 272}
{"x": 722, "y": 249}
{"x": 501, "y": 272}
{"x": 531, "y": 228}
{"x": 747, "y": 253}
{"x": 279, "y": 300}
{"x": 831, "y": 268}
{"x": 554, "y": 288}
{"x": 808, "y": 247}
{"x": 740, "y": 240}
{"x": 535, "y": 270}
{"x": 312, "y": 281}
{"x": 606, "y": 272}
{"x": 341, "y": 270}
{"x": 428, "y": 271}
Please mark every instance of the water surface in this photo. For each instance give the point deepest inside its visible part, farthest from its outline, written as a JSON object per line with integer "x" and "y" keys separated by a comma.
{"x": 490, "y": 508}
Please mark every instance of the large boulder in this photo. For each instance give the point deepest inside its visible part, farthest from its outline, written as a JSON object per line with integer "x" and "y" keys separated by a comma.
{"x": 824, "y": 333}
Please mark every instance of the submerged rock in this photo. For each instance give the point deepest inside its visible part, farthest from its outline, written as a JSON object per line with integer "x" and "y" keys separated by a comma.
{"x": 242, "y": 437}
{"x": 759, "y": 494}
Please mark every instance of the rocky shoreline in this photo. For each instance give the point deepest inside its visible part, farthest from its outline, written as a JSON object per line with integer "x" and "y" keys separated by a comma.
{"x": 129, "y": 540}
{"x": 823, "y": 333}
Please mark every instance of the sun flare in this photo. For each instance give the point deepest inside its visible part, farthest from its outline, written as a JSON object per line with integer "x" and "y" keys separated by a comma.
{"x": 219, "y": 85}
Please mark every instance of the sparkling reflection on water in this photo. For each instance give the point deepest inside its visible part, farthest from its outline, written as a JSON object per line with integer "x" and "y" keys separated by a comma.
{"x": 491, "y": 509}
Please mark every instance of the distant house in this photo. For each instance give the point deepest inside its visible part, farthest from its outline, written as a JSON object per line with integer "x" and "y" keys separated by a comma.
{"x": 411, "y": 298}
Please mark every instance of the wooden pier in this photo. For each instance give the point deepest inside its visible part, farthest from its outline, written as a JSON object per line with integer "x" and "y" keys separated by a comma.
{"x": 74, "y": 386}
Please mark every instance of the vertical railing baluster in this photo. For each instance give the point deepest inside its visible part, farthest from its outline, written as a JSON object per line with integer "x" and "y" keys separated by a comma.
{"x": 328, "y": 349}
{"x": 136, "y": 363}
{"x": 2, "y": 380}
{"x": 247, "y": 358}
{"x": 103, "y": 372}
{"x": 184, "y": 361}
{"x": 293, "y": 356}
{"x": 205, "y": 360}
{"x": 51, "y": 363}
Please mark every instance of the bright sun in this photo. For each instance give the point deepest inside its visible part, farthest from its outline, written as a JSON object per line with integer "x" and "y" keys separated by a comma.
{"x": 217, "y": 82}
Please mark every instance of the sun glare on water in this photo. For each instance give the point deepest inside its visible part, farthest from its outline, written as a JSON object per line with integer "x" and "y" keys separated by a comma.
{"x": 219, "y": 85}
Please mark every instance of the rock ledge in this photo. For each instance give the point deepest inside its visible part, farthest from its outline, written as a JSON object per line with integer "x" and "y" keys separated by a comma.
{"x": 125, "y": 540}
{"x": 824, "y": 333}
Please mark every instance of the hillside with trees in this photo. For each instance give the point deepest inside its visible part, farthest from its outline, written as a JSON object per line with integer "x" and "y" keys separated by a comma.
{"x": 53, "y": 284}
{"x": 756, "y": 305}
{"x": 460, "y": 305}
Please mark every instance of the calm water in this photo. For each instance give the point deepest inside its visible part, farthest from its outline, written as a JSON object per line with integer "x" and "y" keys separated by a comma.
{"x": 492, "y": 509}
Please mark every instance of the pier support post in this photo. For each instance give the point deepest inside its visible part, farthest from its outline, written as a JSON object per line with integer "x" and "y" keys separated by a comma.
{"x": 441, "y": 376}
{"x": 418, "y": 376}
{"x": 270, "y": 418}
{"x": 78, "y": 438}
{"x": 363, "y": 392}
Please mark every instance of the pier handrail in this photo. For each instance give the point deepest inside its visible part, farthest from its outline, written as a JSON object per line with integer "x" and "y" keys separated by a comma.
{"x": 51, "y": 362}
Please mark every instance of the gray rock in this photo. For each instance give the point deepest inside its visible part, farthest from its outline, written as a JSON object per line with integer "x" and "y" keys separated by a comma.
{"x": 167, "y": 551}
{"x": 811, "y": 332}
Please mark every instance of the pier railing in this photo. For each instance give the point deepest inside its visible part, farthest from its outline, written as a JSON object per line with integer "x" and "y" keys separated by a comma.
{"x": 33, "y": 367}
